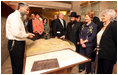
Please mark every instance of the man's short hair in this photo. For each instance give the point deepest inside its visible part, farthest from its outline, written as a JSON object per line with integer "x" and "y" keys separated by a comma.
{"x": 21, "y": 4}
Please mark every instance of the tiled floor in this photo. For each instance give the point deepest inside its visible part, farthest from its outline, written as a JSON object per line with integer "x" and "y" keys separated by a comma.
{"x": 6, "y": 68}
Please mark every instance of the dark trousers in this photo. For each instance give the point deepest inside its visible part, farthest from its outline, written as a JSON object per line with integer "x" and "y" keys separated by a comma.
{"x": 105, "y": 66}
{"x": 78, "y": 48}
{"x": 86, "y": 52}
{"x": 16, "y": 51}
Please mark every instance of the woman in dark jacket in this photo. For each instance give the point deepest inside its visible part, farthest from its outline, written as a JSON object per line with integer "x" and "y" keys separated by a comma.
{"x": 107, "y": 42}
{"x": 87, "y": 41}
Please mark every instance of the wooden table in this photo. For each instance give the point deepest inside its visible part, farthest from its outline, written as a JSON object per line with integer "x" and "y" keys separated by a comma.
{"x": 67, "y": 58}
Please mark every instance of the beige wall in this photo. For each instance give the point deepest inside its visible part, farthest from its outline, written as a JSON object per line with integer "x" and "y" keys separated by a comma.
{"x": 5, "y": 11}
{"x": 4, "y": 51}
{"x": 96, "y": 6}
{"x": 108, "y": 5}
{"x": 76, "y": 6}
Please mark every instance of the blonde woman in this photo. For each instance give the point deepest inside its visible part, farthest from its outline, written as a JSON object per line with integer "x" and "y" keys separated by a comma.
{"x": 87, "y": 41}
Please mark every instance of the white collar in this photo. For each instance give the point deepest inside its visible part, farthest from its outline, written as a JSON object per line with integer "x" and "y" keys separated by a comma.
{"x": 60, "y": 19}
{"x": 18, "y": 13}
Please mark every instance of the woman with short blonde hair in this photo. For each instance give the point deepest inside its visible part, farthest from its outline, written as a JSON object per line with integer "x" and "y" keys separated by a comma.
{"x": 87, "y": 41}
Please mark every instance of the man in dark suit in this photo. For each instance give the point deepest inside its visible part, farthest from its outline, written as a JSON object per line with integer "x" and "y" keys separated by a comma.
{"x": 78, "y": 19}
{"x": 52, "y": 24}
{"x": 73, "y": 29}
{"x": 29, "y": 26}
{"x": 59, "y": 27}
{"x": 96, "y": 20}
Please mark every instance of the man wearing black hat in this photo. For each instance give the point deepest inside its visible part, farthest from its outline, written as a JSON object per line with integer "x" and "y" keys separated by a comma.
{"x": 73, "y": 29}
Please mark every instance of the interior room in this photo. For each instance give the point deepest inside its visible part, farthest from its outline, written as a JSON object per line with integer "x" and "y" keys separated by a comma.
{"x": 47, "y": 9}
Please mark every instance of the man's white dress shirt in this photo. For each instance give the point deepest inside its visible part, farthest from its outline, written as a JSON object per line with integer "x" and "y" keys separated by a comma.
{"x": 15, "y": 29}
{"x": 62, "y": 22}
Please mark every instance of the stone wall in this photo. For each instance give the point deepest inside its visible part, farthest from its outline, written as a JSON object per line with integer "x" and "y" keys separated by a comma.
{"x": 4, "y": 51}
{"x": 96, "y": 6}
{"x": 5, "y": 11}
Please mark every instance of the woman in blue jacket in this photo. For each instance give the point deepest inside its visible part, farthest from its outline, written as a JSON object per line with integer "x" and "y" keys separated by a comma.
{"x": 87, "y": 40}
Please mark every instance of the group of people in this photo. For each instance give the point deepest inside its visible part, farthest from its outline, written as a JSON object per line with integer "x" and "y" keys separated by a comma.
{"x": 38, "y": 26}
{"x": 86, "y": 36}
{"x": 83, "y": 35}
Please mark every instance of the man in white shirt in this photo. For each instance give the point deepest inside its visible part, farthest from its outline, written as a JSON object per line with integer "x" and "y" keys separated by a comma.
{"x": 16, "y": 34}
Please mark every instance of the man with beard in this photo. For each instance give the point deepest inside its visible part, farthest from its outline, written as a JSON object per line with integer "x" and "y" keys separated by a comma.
{"x": 16, "y": 34}
{"x": 73, "y": 28}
